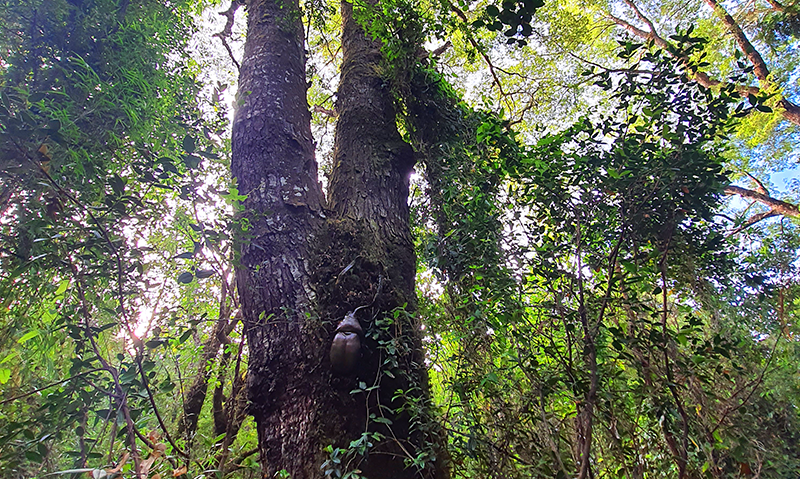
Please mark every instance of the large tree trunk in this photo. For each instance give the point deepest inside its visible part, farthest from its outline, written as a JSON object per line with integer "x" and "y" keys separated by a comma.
{"x": 362, "y": 260}
{"x": 369, "y": 198}
{"x": 273, "y": 162}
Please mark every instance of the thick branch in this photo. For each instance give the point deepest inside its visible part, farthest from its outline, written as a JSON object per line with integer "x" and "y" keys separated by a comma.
{"x": 777, "y": 206}
{"x": 759, "y": 67}
{"x": 651, "y": 35}
{"x": 790, "y": 112}
{"x": 777, "y": 6}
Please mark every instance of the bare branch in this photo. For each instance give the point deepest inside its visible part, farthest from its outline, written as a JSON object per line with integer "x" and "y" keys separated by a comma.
{"x": 652, "y": 35}
{"x": 439, "y": 51}
{"x": 778, "y": 206}
{"x": 761, "y": 188}
{"x": 777, "y": 6}
{"x": 753, "y": 220}
{"x": 700, "y": 77}
{"x": 155, "y": 407}
{"x": 230, "y": 15}
{"x": 759, "y": 67}
{"x": 4, "y": 401}
{"x": 324, "y": 111}
{"x": 477, "y": 47}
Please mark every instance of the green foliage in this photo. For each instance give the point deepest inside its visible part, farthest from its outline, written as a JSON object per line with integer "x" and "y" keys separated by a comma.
{"x": 515, "y": 15}
{"x": 102, "y": 140}
{"x": 410, "y": 405}
{"x": 609, "y": 226}
{"x": 576, "y": 279}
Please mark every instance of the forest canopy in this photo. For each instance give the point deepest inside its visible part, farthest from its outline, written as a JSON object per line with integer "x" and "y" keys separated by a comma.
{"x": 399, "y": 239}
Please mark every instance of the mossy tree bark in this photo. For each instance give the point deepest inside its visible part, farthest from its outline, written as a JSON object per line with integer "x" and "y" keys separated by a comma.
{"x": 370, "y": 226}
{"x": 304, "y": 266}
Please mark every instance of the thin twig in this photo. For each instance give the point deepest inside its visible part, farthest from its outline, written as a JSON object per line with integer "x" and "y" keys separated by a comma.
{"x": 756, "y": 384}
{"x": 227, "y": 31}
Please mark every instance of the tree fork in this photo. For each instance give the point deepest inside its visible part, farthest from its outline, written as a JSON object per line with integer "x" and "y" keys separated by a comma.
{"x": 361, "y": 255}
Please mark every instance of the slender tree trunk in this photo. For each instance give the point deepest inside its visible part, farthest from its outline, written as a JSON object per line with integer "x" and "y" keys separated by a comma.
{"x": 195, "y": 396}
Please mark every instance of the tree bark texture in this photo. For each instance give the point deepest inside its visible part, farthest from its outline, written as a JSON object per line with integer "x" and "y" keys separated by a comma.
{"x": 775, "y": 205}
{"x": 370, "y": 227}
{"x": 304, "y": 267}
{"x": 195, "y": 396}
{"x": 372, "y": 163}
{"x": 273, "y": 163}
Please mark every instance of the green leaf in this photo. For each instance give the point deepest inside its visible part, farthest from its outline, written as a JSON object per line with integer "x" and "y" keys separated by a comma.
{"x": 33, "y": 456}
{"x": 154, "y": 343}
{"x": 192, "y": 161}
{"x": 117, "y": 184}
{"x": 204, "y": 273}
{"x": 208, "y": 154}
{"x": 28, "y": 336}
{"x": 62, "y": 287}
{"x": 188, "y": 144}
{"x": 5, "y": 375}
{"x": 185, "y": 277}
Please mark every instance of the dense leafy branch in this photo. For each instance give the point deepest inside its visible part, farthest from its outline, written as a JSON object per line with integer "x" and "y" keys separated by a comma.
{"x": 790, "y": 111}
